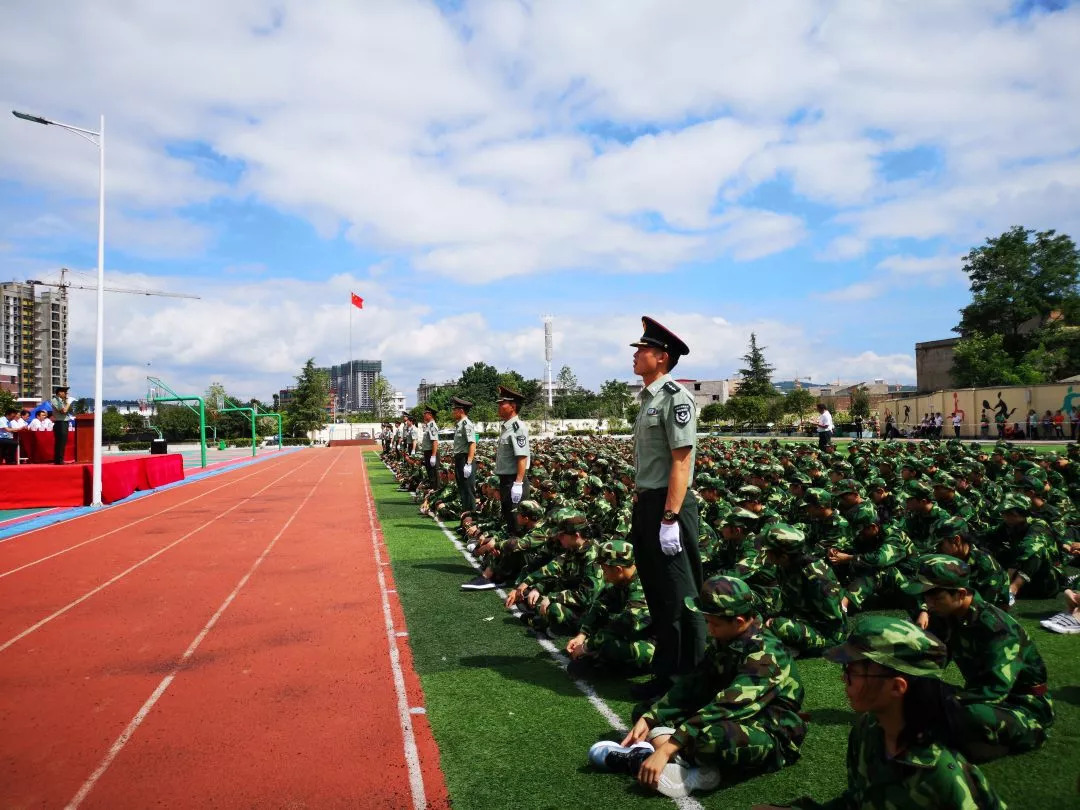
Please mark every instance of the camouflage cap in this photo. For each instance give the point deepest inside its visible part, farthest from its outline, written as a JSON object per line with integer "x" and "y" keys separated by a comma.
{"x": 801, "y": 478}
{"x": 708, "y": 482}
{"x": 530, "y": 509}
{"x": 1015, "y": 502}
{"x": 943, "y": 479}
{"x": 865, "y": 515}
{"x": 749, "y": 493}
{"x": 741, "y": 517}
{"x": 849, "y": 486}
{"x": 949, "y": 527}
{"x": 920, "y": 490}
{"x": 1033, "y": 480}
{"x": 492, "y": 481}
{"x": 894, "y": 643}
{"x": 782, "y": 537}
{"x": 820, "y": 497}
{"x": 937, "y": 571}
{"x": 616, "y": 552}
{"x": 594, "y": 483}
{"x": 569, "y": 520}
{"x": 876, "y": 483}
{"x": 723, "y": 596}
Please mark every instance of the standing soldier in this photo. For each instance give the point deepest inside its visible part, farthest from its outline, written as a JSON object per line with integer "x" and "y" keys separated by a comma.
{"x": 512, "y": 456}
{"x": 464, "y": 450}
{"x": 664, "y": 525}
{"x": 429, "y": 448}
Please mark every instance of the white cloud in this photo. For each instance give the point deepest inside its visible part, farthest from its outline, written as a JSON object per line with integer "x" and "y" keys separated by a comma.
{"x": 859, "y": 291}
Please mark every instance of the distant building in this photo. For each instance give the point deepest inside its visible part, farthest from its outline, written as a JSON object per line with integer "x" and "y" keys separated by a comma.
{"x": 933, "y": 364}
{"x": 425, "y": 389}
{"x": 707, "y": 392}
{"x": 398, "y": 401}
{"x": 353, "y": 383}
{"x": 839, "y": 397}
{"x": 33, "y": 337}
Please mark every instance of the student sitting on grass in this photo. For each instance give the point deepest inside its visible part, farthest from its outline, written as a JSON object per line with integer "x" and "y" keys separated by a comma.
{"x": 558, "y": 593}
{"x": 506, "y": 558}
{"x": 615, "y": 628}
{"x": 896, "y": 759}
{"x": 1004, "y": 706}
{"x": 736, "y": 713}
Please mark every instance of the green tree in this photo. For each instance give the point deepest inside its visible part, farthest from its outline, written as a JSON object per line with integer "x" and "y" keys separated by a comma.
{"x": 177, "y": 423}
{"x": 132, "y": 422}
{"x": 615, "y": 397}
{"x": 382, "y": 395}
{"x": 632, "y": 411}
{"x": 860, "y": 402}
{"x": 7, "y": 401}
{"x": 112, "y": 425}
{"x": 757, "y": 373}
{"x": 713, "y": 412}
{"x": 799, "y": 402}
{"x": 311, "y": 397}
{"x": 746, "y": 410}
{"x": 981, "y": 360}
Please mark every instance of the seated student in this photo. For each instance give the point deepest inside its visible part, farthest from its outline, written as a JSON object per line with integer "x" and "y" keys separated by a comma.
{"x": 988, "y": 578}
{"x": 736, "y": 713}
{"x": 806, "y": 614}
{"x": 559, "y": 591}
{"x": 505, "y": 559}
{"x": 615, "y": 628}
{"x": 896, "y": 757}
{"x": 1026, "y": 547}
{"x": 1004, "y": 705}
{"x": 877, "y": 562}
{"x": 40, "y": 422}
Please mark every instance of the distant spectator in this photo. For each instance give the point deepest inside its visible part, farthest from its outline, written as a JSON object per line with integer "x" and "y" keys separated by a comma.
{"x": 1074, "y": 424}
{"x": 40, "y": 422}
{"x": 957, "y": 421}
{"x": 939, "y": 423}
{"x": 858, "y": 427}
{"x": 9, "y": 437}
{"x": 999, "y": 421}
{"x": 1047, "y": 424}
{"x": 1059, "y": 424}
{"x": 1032, "y": 424}
{"x": 984, "y": 424}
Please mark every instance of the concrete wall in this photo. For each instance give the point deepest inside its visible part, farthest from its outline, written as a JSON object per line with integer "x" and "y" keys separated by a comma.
{"x": 1013, "y": 401}
{"x": 933, "y": 364}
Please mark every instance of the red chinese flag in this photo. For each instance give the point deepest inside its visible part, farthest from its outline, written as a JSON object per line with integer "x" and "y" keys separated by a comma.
{"x": 357, "y": 300}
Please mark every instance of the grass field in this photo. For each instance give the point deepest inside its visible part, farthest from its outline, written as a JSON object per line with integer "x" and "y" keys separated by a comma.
{"x": 513, "y": 729}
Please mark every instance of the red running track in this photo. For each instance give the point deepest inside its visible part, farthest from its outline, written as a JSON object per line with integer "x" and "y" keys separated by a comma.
{"x": 234, "y": 642}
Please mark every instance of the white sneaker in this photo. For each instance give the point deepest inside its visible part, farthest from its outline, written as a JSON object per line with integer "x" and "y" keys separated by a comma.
{"x": 1069, "y": 625}
{"x": 678, "y": 781}
{"x": 1055, "y": 619}
{"x": 608, "y": 755}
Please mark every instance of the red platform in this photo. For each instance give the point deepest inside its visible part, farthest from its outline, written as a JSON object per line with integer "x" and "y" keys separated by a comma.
{"x": 29, "y": 485}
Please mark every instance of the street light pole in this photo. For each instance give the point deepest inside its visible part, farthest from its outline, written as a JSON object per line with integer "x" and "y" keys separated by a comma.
{"x": 99, "y": 353}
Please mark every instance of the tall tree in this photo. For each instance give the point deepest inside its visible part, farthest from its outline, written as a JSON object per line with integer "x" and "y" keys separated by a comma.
{"x": 860, "y": 402}
{"x": 799, "y": 401}
{"x": 757, "y": 373}
{"x": 382, "y": 394}
{"x": 311, "y": 397}
{"x": 615, "y": 398}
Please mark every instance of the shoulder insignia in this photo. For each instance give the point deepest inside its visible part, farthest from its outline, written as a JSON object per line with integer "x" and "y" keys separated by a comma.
{"x": 682, "y": 414}
{"x": 671, "y": 387}
{"x": 521, "y": 441}
{"x": 515, "y": 426}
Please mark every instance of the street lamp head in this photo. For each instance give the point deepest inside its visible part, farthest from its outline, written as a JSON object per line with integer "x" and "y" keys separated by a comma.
{"x": 37, "y": 119}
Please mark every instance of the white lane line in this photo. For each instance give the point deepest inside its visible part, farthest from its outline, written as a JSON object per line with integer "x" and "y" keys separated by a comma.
{"x": 141, "y": 715}
{"x": 139, "y": 564}
{"x": 412, "y": 756}
{"x": 121, "y": 528}
{"x": 598, "y": 703}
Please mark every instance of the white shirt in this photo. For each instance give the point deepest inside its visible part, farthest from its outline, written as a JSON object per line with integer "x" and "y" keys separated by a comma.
{"x": 824, "y": 422}
{"x": 957, "y": 420}
{"x": 38, "y": 425}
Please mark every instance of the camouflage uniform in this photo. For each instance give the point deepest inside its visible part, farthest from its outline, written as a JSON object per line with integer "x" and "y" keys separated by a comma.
{"x": 1029, "y": 549}
{"x": 570, "y": 580}
{"x": 824, "y": 533}
{"x": 806, "y": 615}
{"x": 880, "y": 566}
{"x": 1004, "y": 706}
{"x": 925, "y": 774}
{"x": 616, "y": 624}
{"x": 987, "y": 577}
{"x": 917, "y": 525}
{"x": 738, "y": 710}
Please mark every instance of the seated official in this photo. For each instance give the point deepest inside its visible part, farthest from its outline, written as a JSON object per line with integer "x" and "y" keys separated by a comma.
{"x": 40, "y": 422}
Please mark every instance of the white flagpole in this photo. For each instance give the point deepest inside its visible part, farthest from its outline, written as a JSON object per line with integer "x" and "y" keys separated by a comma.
{"x": 349, "y": 383}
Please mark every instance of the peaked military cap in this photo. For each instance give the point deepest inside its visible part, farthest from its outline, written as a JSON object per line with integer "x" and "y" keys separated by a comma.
{"x": 723, "y": 596}
{"x": 458, "y": 402}
{"x": 509, "y": 395}
{"x": 659, "y": 336}
{"x": 432, "y": 411}
{"x": 937, "y": 571}
{"x": 615, "y": 552}
{"x": 894, "y": 643}
{"x": 530, "y": 509}
{"x": 782, "y": 537}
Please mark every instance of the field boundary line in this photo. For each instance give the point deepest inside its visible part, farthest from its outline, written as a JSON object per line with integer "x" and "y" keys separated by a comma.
{"x": 93, "y": 592}
{"x": 597, "y": 702}
{"x": 412, "y": 754}
{"x": 148, "y": 706}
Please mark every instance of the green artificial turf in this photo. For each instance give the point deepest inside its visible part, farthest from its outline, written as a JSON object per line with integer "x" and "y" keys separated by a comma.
{"x": 513, "y": 730}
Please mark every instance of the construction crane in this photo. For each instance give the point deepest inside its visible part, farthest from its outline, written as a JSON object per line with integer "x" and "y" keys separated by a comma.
{"x": 64, "y": 285}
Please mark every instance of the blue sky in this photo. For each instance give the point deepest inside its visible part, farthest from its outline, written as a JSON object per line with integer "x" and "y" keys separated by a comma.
{"x": 809, "y": 171}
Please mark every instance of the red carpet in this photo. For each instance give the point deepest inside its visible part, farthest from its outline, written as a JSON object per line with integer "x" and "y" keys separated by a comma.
{"x": 30, "y": 485}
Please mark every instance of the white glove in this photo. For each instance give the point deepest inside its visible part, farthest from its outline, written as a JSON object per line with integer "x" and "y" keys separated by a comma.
{"x": 669, "y": 538}
{"x": 466, "y": 470}
{"x": 432, "y": 461}
{"x": 515, "y": 492}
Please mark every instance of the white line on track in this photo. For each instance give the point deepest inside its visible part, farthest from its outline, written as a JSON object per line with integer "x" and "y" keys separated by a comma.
{"x": 412, "y": 756}
{"x": 141, "y": 715}
{"x": 141, "y": 563}
{"x": 120, "y": 528}
{"x": 598, "y": 703}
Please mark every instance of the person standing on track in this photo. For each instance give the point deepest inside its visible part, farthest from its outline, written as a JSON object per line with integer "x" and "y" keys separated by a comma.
{"x": 429, "y": 448}
{"x": 464, "y": 450}
{"x": 664, "y": 524}
{"x": 512, "y": 457}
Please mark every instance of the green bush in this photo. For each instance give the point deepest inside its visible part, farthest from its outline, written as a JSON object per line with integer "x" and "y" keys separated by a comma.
{"x": 133, "y": 446}
{"x": 295, "y": 441}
